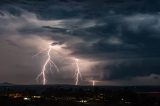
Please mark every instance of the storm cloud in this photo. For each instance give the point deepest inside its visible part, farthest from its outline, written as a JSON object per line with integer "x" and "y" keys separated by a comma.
{"x": 116, "y": 40}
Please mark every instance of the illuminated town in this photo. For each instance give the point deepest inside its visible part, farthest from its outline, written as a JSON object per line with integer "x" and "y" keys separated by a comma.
{"x": 37, "y": 95}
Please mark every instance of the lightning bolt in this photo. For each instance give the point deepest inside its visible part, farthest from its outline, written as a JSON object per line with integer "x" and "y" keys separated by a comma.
{"x": 78, "y": 73}
{"x": 93, "y": 83}
{"x": 49, "y": 62}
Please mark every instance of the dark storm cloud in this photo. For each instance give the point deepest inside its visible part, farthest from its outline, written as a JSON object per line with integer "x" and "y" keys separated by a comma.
{"x": 110, "y": 30}
{"x": 80, "y": 8}
{"x": 129, "y": 69}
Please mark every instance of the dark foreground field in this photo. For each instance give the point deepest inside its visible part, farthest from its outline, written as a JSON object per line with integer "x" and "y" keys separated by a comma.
{"x": 67, "y": 95}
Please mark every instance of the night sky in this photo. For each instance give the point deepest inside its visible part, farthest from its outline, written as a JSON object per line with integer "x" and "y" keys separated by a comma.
{"x": 117, "y": 42}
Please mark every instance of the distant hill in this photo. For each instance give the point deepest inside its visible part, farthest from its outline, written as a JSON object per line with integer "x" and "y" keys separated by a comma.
{"x": 6, "y": 84}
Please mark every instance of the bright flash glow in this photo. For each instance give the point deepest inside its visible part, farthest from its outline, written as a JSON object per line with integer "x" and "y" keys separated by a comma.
{"x": 49, "y": 62}
{"x": 78, "y": 73}
{"x": 93, "y": 83}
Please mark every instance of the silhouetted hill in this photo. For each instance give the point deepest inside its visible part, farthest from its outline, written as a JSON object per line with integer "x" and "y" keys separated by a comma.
{"x": 6, "y": 84}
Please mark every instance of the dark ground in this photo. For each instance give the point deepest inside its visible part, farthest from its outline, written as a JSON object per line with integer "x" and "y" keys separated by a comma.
{"x": 67, "y": 95}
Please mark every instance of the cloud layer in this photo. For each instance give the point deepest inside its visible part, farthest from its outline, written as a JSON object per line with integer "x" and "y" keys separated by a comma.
{"x": 116, "y": 40}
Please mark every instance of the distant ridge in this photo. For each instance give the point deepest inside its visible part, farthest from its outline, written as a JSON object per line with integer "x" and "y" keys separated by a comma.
{"x": 6, "y": 84}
